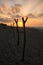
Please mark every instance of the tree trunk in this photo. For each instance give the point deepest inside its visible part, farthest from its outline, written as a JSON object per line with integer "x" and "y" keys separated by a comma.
{"x": 23, "y": 55}
{"x": 18, "y": 35}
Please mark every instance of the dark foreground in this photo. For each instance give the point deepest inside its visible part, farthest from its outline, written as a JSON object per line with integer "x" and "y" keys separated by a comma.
{"x": 11, "y": 54}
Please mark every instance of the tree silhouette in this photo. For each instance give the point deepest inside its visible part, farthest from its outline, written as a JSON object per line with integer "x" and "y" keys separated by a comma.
{"x": 16, "y": 21}
{"x": 24, "y": 21}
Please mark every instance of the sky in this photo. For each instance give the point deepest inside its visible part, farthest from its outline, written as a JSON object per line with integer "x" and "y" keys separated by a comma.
{"x": 33, "y": 9}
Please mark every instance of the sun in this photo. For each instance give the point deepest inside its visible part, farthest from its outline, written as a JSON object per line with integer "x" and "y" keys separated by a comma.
{"x": 20, "y": 24}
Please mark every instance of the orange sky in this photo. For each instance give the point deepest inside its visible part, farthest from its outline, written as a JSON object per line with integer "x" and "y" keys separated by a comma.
{"x": 31, "y": 22}
{"x": 33, "y": 9}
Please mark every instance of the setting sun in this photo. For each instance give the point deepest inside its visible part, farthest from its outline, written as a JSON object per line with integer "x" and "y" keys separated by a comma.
{"x": 20, "y": 24}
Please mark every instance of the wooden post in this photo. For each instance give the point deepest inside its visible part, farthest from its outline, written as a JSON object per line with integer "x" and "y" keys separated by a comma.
{"x": 16, "y": 20}
{"x": 24, "y": 21}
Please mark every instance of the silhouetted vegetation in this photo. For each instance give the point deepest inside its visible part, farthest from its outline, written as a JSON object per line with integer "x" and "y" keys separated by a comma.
{"x": 2, "y": 25}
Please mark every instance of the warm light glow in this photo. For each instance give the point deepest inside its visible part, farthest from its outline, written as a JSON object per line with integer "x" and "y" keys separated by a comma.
{"x": 20, "y": 24}
{"x": 30, "y": 23}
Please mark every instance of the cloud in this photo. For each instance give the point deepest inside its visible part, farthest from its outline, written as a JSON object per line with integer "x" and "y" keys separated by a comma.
{"x": 1, "y": 11}
{"x": 31, "y": 15}
{"x": 40, "y": 1}
{"x": 8, "y": 2}
{"x": 6, "y": 19}
{"x": 23, "y": 6}
{"x": 16, "y": 10}
{"x": 40, "y": 15}
{"x": 4, "y": 9}
{"x": 17, "y": 16}
{"x": 2, "y": 20}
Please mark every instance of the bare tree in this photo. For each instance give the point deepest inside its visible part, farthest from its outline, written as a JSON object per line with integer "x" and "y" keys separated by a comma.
{"x": 16, "y": 21}
{"x": 24, "y": 21}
